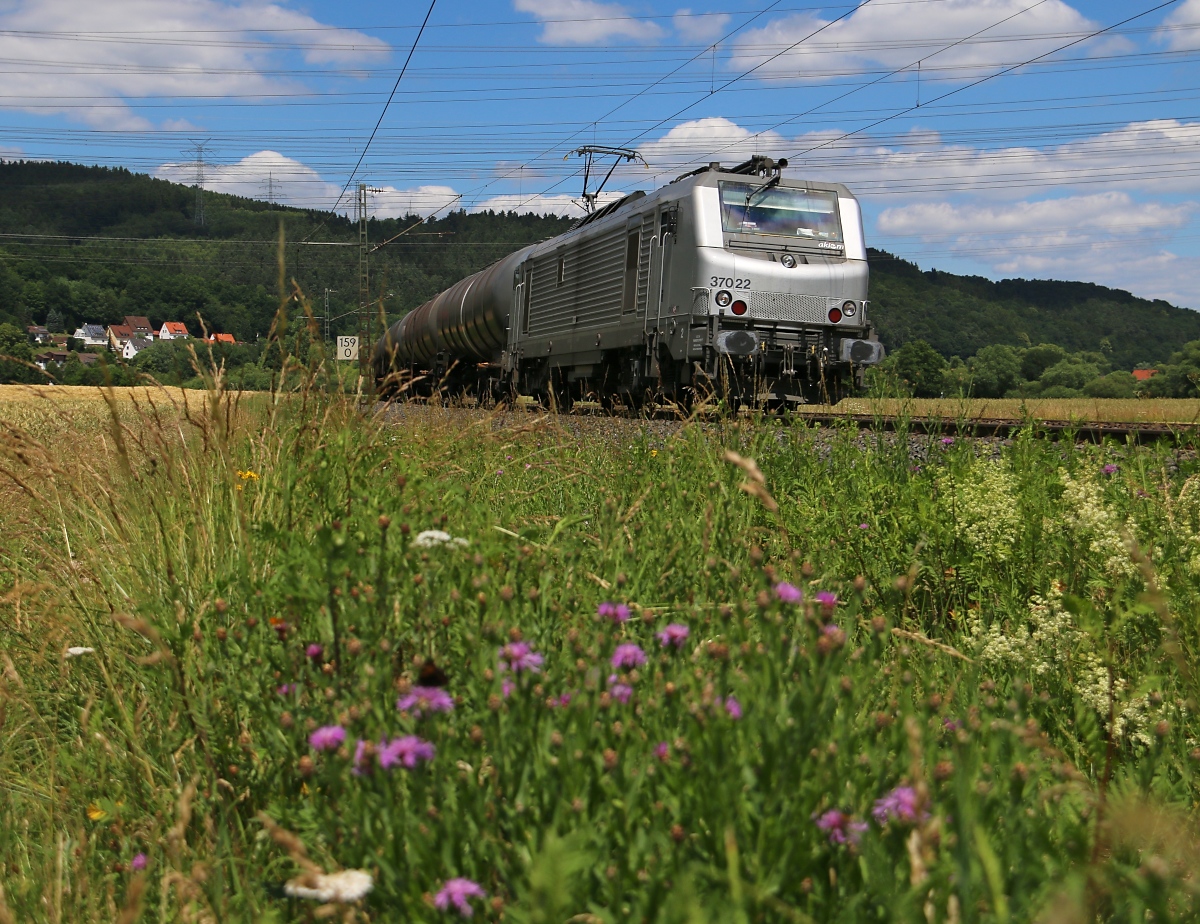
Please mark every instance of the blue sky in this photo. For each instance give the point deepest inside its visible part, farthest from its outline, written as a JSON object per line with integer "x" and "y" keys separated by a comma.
{"x": 982, "y": 136}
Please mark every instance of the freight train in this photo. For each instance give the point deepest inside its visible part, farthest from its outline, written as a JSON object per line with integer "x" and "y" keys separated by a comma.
{"x": 729, "y": 282}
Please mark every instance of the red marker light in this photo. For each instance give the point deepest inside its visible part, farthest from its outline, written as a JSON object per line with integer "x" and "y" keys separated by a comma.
{"x": 738, "y": 307}
{"x": 835, "y": 315}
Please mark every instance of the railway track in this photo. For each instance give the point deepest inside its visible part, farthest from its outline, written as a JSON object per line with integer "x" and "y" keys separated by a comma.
{"x": 991, "y": 427}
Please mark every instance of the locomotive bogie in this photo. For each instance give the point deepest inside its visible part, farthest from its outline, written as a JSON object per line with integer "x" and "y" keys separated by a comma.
{"x": 718, "y": 283}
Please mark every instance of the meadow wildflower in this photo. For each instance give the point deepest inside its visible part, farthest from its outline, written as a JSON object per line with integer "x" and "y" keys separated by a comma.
{"x": 662, "y": 750}
{"x": 788, "y": 593}
{"x": 77, "y": 652}
{"x": 314, "y": 652}
{"x": 327, "y": 738}
{"x": 621, "y": 692}
{"x": 841, "y": 827}
{"x": 286, "y": 689}
{"x": 901, "y": 804}
{"x": 343, "y": 887}
{"x": 457, "y": 893}
{"x": 628, "y": 654}
{"x": 947, "y": 441}
{"x": 864, "y": 525}
{"x": 425, "y": 699}
{"x": 406, "y": 751}
{"x": 364, "y": 753}
{"x": 674, "y": 634}
{"x": 617, "y": 612}
{"x": 432, "y": 538}
{"x": 506, "y": 687}
{"x": 1111, "y": 469}
{"x": 827, "y": 598}
{"x": 138, "y": 863}
{"x": 733, "y": 707}
{"x": 518, "y": 657}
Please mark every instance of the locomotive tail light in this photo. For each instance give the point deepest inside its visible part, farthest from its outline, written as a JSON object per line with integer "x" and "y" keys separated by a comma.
{"x": 739, "y": 307}
{"x": 835, "y": 315}
{"x": 788, "y": 260}
{"x": 849, "y": 309}
{"x": 724, "y": 297}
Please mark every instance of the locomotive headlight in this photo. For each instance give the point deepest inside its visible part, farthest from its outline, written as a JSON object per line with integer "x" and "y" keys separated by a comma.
{"x": 724, "y": 297}
{"x": 739, "y": 308}
{"x": 849, "y": 308}
{"x": 788, "y": 260}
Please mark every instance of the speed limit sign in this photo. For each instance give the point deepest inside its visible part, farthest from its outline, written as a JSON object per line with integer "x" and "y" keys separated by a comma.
{"x": 347, "y": 348}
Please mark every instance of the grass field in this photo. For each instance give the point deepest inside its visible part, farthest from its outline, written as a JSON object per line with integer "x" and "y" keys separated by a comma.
{"x": 1115, "y": 410}
{"x": 731, "y": 672}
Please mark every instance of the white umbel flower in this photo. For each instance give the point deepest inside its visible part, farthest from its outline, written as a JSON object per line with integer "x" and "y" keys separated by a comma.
{"x": 344, "y": 887}
{"x": 431, "y": 538}
{"x": 77, "y": 652}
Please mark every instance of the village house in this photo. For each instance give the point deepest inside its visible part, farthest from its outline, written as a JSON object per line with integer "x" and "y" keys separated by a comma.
{"x": 91, "y": 334}
{"x": 1144, "y": 375}
{"x": 50, "y": 357}
{"x": 118, "y": 336}
{"x": 38, "y": 334}
{"x": 140, "y": 326}
{"x": 173, "y": 330}
{"x": 220, "y": 338}
{"x": 135, "y": 345}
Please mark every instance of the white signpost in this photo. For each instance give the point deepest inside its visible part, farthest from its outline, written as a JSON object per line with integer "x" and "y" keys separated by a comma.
{"x": 347, "y": 348}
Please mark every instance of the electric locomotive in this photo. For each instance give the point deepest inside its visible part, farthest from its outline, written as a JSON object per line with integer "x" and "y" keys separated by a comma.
{"x": 735, "y": 282}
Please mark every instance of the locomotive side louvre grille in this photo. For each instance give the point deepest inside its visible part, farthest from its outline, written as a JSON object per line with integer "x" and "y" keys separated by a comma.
{"x": 784, "y": 306}
{"x": 643, "y": 284}
{"x": 593, "y": 278}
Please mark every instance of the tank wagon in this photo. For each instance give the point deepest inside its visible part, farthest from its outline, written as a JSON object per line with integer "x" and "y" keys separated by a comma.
{"x": 729, "y": 281}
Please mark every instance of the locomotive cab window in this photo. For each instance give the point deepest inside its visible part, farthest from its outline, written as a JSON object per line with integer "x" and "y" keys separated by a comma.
{"x": 562, "y": 270}
{"x": 810, "y": 214}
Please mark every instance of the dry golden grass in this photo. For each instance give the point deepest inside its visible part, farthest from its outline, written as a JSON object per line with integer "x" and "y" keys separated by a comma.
{"x": 1108, "y": 410}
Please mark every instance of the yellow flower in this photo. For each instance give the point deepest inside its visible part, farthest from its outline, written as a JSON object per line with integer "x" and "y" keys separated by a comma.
{"x": 95, "y": 813}
{"x": 653, "y": 452}
{"x": 248, "y": 475}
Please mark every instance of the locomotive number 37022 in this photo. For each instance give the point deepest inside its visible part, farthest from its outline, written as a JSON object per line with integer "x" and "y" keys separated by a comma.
{"x": 729, "y": 282}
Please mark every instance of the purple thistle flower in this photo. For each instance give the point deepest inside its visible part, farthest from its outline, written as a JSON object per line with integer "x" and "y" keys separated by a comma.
{"x": 841, "y": 827}
{"x": 285, "y": 690}
{"x": 1111, "y": 469}
{"x": 674, "y": 634}
{"x": 139, "y": 862}
{"x": 362, "y": 758}
{"x": 951, "y": 724}
{"x": 327, "y": 738}
{"x": 617, "y": 612}
{"x": 621, "y": 692}
{"x": 947, "y": 441}
{"x": 506, "y": 687}
{"x": 458, "y": 893}
{"x": 314, "y": 651}
{"x": 827, "y": 598}
{"x": 564, "y": 700}
{"x": 425, "y": 699}
{"x": 518, "y": 656}
{"x": 788, "y": 593}
{"x": 864, "y": 526}
{"x": 733, "y": 707}
{"x": 899, "y": 805}
{"x": 406, "y": 751}
{"x": 662, "y": 750}
{"x": 628, "y": 655}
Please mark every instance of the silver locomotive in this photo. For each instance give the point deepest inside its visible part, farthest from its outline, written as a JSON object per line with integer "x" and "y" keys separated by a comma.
{"x": 733, "y": 282}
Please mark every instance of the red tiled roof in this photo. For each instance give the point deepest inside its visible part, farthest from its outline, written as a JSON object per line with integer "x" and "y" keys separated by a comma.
{"x": 121, "y": 330}
{"x": 1143, "y": 374}
{"x": 222, "y": 338}
{"x": 136, "y": 322}
{"x": 175, "y": 327}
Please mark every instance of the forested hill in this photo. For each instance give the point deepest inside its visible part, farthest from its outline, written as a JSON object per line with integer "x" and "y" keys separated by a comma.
{"x": 958, "y": 315}
{"x": 95, "y": 244}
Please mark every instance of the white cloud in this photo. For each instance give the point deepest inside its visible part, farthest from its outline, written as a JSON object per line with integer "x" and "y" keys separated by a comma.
{"x": 697, "y": 142}
{"x": 390, "y": 202}
{"x": 195, "y": 47}
{"x": 1107, "y": 237}
{"x": 700, "y": 27}
{"x": 1049, "y": 220}
{"x": 255, "y": 176}
{"x": 586, "y": 22}
{"x": 897, "y": 35}
{"x": 1181, "y": 29}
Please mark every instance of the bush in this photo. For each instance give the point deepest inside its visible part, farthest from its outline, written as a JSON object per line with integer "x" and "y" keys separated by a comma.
{"x": 1113, "y": 385}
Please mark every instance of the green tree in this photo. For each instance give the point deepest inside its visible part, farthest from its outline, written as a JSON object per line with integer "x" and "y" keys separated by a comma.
{"x": 1119, "y": 384}
{"x": 1070, "y": 373}
{"x": 921, "y": 368}
{"x": 994, "y": 370}
{"x": 1179, "y": 378}
{"x": 15, "y": 352}
{"x": 1038, "y": 359}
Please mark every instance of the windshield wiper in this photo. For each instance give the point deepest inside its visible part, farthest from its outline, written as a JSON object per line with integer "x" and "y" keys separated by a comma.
{"x": 774, "y": 181}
